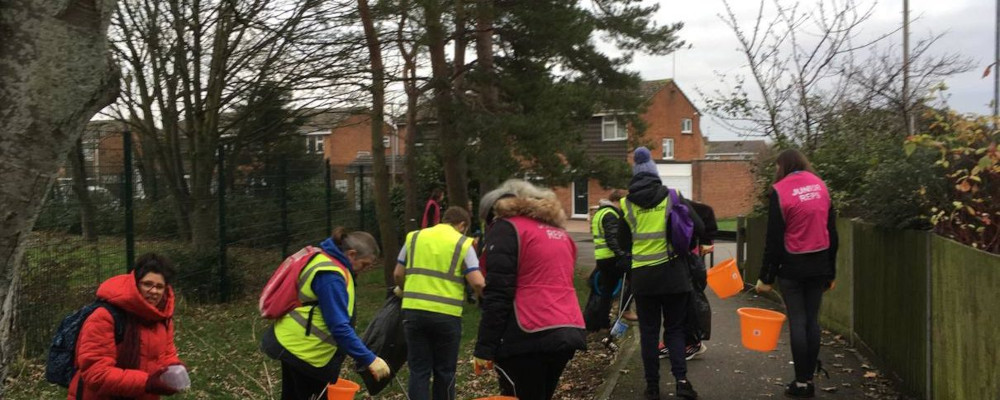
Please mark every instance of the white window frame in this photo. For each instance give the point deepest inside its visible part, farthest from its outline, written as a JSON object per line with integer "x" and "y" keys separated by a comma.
{"x": 687, "y": 125}
{"x": 619, "y": 133}
{"x": 319, "y": 145}
{"x": 668, "y": 143}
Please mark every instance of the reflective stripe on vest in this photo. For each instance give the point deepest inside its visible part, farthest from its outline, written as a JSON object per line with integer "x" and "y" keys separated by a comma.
{"x": 601, "y": 249}
{"x": 649, "y": 233}
{"x": 318, "y": 346}
{"x": 434, "y": 279}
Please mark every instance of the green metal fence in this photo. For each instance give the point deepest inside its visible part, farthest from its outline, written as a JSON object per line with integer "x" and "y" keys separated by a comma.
{"x": 260, "y": 214}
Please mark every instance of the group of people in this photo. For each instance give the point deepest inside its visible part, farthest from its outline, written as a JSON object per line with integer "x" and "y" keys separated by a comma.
{"x": 531, "y": 323}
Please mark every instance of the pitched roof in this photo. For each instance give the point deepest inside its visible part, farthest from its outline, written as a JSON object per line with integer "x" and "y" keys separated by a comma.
{"x": 736, "y": 147}
{"x": 326, "y": 119}
{"x": 649, "y": 88}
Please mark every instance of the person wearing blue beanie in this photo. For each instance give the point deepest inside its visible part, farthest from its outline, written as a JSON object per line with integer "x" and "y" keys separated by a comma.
{"x": 661, "y": 279}
{"x": 643, "y": 161}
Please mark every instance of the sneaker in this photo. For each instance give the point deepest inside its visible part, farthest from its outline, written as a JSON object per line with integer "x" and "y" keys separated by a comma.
{"x": 685, "y": 390}
{"x": 664, "y": 352}
{"x": 694, "y": 350}
{"x": 652, "y": 392}
{"x": 800, "y": 392}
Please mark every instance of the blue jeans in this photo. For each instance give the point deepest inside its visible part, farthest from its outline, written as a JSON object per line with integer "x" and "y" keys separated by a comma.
{"x": 432, "y": 341}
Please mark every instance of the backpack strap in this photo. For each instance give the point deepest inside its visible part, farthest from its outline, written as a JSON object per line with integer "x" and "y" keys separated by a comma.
{"x": 118, "y": 316}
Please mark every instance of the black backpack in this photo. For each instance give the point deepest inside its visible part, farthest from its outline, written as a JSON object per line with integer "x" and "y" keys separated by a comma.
{"x": 60, "y": 365}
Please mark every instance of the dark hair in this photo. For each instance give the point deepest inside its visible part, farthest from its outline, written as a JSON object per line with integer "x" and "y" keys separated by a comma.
{"x": 456, "y": 215}
{"x": 362, "y": 242}
{"x": 616, "y": 195}
{"x": 790, "y": 161}
{"x": 155, "y": 263}
{"x": 436, "y": 193}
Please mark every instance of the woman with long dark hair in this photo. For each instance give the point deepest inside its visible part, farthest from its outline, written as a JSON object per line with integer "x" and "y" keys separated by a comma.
{"x": 800, "y": 253}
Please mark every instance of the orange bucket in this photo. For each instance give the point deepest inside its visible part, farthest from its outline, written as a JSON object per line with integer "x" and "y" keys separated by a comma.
{"x": 497, "y": 398}
{"x": 760, "y": 328}
{"x": 724, "y": 278}
{"x": 343, "y": 389}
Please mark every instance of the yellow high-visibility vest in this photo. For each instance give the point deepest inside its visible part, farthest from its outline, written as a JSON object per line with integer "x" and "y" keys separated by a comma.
{"x": 649, "y": 233}
{"x": 434, "y": 279}
{"x": 601, "y": 249}
{"x": 318, "y": 346}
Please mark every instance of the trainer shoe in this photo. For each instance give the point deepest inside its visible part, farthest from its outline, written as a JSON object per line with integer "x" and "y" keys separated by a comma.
{"x": 800, "y": 392}
{"x": 664, "y": 352}
{"x": 652, "y": 392}
{"x": 692, "y": 351}
{"x": 685, "y": 390}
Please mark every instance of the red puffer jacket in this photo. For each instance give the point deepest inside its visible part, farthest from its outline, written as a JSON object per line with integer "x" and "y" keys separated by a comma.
{"x": 97, "y": 354}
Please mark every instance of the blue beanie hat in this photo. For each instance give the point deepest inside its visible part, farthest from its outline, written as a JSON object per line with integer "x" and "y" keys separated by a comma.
{"x": 643, "y": 162}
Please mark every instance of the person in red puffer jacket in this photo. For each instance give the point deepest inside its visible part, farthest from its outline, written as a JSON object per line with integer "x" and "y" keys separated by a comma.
{"x": 134, "y": 367}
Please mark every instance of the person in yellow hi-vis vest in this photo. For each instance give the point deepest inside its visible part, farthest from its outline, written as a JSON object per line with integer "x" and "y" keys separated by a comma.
{"x": 313, "y": 340}
{"x": 434, "y": 265}
{"x": 610, "y": 259}
{"x": 661, "y": 274}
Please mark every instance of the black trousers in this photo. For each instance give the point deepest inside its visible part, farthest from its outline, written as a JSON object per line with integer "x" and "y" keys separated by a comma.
{"x": 672, "y": 309}
{"x": 296, "y": 385}
{"x": 535, "y": 376}
{"x": 802, "y": 299}
{"x": 432, "y": 340}
{"x": 611, "y": 273}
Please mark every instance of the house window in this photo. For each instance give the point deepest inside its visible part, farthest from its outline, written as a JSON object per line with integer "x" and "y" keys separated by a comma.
{"x": 686, "y": 125}
{"x": 314, "y": 144}
{"x": 668, "y": 149}
{"x": 610, "y": 130}
{"x": 386, "y": 142}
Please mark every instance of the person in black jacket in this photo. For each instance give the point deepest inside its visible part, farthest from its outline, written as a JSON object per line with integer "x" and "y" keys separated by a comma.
{"x": 613, "y": 269}
{"x": 661, "y": 290}
{"x": 533, "y": 361}
{"x": 800, "y": 253}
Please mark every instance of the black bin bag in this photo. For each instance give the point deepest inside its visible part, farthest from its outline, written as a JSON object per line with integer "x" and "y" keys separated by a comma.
{"x": 384, "y": 337}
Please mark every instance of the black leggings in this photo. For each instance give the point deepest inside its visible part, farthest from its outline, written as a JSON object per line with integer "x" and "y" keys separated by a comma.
{"x": 536, "y": 375}
{"x": 802, "y": 299}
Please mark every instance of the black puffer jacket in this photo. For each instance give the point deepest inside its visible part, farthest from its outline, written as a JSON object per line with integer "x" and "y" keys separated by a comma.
{"x": 499, "y": 334}
{"x": 674, "y": 276}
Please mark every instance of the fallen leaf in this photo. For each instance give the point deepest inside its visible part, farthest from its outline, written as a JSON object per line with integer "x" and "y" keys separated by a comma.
{"x": 871, "y": 374}
{"x": 738, "y": 372}
{"x": 831, "y": 389}
{"x": 838, "y": 365}
{"x": 866, "y": 366}
{"x": 838, "y": 356}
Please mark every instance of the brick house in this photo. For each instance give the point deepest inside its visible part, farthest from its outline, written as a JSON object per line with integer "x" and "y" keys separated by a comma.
{"x": 673, "y": 135}
{"x": 343, "y": 136}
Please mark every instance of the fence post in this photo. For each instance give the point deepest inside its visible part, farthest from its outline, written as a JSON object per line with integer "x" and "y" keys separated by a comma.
{"x": 741, "y": 239}
{"x": 221, "y": 193}
{"x": 283, "y": 192}
{"x": 361, "y": 197}
{"x": 127, "y": 198}
{"x": 329, "y": 197}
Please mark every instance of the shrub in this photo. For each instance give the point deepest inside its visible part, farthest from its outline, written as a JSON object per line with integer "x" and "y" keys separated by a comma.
{"x": 969, "y": 160}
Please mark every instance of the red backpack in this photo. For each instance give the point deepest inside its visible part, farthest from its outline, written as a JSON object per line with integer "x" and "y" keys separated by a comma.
{"x": 281, "y": 294}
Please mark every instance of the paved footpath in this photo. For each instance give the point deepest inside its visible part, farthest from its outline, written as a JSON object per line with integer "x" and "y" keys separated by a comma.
{"x": 730, "y": 371}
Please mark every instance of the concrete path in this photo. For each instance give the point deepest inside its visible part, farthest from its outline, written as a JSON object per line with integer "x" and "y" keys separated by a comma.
{"x": 729, "y": 371}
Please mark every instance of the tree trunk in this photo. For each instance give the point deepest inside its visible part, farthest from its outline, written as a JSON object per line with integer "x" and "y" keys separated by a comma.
{"x": 55, "y": 74}
{"x": 79, "y": 173}
{"x": 490, "y": 139}
{"x": 453, "y": 145}
{"x": 383, "y": 209}
{"x": 412, "y": 212}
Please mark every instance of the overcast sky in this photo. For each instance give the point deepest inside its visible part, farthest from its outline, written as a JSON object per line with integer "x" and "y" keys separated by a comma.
{"x": 968, "y": 26}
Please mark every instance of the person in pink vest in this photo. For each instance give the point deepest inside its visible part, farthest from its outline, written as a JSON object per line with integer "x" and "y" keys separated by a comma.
{"x": 800, "y": 252}
{"x": 531, "y": 322}
{"x": 432, "y": 210}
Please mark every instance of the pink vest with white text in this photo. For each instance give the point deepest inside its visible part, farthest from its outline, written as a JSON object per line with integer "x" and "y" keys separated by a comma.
{"x": 805, "y": 206}
{"x": 545, "y": 297}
